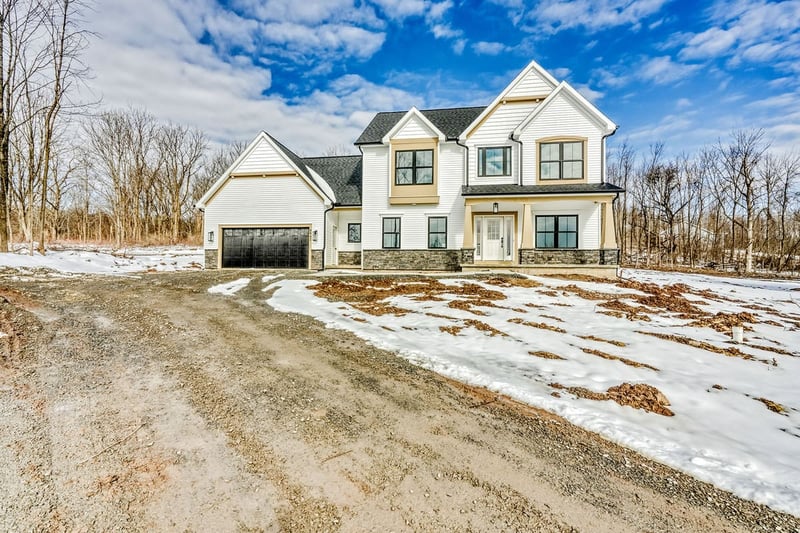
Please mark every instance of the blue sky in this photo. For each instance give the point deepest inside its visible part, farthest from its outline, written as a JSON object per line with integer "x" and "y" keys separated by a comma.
{"x": 313, "y": 73}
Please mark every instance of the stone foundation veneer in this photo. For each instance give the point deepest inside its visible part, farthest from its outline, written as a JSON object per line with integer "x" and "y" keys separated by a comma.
{"x": 316, "y": 260}
{"x": 349, "y": 259}
{"x": 411, "y": 259}
{"x": 211, "y": 259}
{"x": 568, "y": 257}
{"x": 467, "y": 256}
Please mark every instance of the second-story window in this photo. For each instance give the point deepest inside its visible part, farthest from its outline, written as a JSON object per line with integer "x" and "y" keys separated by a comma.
{"x": 494, "y": 161}
{"x": 413, "y": 167}
{"x": 561, "y": 160}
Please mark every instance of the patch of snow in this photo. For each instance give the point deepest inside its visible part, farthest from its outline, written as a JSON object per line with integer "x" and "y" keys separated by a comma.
{"x": 230, "y": 288}
{"x": 269, "y": 279}
{"x": 85, "y": 260}
{"x": 725, "y": 435}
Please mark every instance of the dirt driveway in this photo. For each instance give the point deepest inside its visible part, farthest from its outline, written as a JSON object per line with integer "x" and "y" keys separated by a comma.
{"x": 148, "y": 404}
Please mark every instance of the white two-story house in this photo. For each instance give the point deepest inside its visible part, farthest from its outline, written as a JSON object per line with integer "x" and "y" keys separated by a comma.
{"x": 518, "y": 184}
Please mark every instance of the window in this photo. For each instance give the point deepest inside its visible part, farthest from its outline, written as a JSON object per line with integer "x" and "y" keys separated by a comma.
{"x": 413, "y": 167}
{"x": 494, "y": 161}
{"x": 437, "y": 232}
{"x": 391, "y": 232}
{"x": 354, "y": 232}
{"x": 557, "y": 231}
{"x": 561, "y": 160}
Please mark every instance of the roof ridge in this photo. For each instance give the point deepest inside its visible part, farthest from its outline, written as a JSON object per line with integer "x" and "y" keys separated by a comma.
{"x": 329, "y": 156}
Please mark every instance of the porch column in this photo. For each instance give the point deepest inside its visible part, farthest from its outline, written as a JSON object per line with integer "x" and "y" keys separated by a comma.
{"x": 608, "y": 237}
{"x": 527, "y": 226}
{"x": 469, "y": 232}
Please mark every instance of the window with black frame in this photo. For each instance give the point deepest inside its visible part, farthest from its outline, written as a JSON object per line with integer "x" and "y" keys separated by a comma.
{"x": 413, "y": 167}
{"x": 561, "y": 160}
{"x": 557, "y": 231}
{"x": 494, "y": 161}
{"x": 354, "y": 232}
{"x": 391, "y": 232}
{"x": 437, "y": 232}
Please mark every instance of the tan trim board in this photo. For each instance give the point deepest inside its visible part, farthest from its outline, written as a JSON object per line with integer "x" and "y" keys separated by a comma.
{"x": 524, "y": 99}
{"x": 411, "y": 200}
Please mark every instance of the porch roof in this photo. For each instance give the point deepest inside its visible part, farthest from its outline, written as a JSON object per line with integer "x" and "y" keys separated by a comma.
{"x": 511, "y": 189}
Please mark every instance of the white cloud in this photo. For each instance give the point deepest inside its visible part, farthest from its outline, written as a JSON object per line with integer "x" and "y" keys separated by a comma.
{"x": 589, "y": 93}
{"x": 552, "y": 16}
{"x": 560, "y": 73}
{"x": 324, "y": 40}
{"x": 750, "y": 31}
{"x": 148, "y": 55}
{"x": 488, "y": 48}
{"x": 661, "y": 70}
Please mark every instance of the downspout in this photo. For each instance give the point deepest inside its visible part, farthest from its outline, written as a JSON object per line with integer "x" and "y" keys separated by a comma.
{"x": 466, "y": 163}
{"x": 520, "y": 155}
{"x": 603, "y": 155}
{"x": 325, "y": 232}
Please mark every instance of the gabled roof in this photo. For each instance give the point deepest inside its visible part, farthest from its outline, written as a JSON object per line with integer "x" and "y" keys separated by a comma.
{"x": 514, "y": 189}
{"x": 451, "y": 122}
{"x": 342, "y": 173}
{"x": 323, "y": 189}
{"x": 413, "y": 112}
{"x": 566, "y": 90}
{"x": 532, "y": 66}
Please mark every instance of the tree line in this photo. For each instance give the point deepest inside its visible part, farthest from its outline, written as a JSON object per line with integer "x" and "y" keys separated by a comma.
{"x": 734, "y": 205}
{"x": 68, "y": 172}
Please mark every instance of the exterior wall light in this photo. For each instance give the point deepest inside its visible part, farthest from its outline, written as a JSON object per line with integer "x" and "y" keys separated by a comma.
{"x": 314, "y": 235}
{"x": 210, "y": 236}
{"x": 495, "y": 208}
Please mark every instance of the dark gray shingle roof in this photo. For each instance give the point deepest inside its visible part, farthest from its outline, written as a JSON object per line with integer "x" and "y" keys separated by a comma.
{"x": 342, "y": 173}
{"x": 452, "y": 122}
{"x": 555, "y": 188}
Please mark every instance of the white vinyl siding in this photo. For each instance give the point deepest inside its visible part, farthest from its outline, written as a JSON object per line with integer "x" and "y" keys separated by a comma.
{"x": 345, "y": 217}
{"x": 263, "y": 158}
{"x": 414, "y": 128}
{"x": 375, "y": 194}
{"x": 531, "y": 85}
{"x": 414, "y": 218}
{"x": 262, "y": 201}
{"x": 561, "y": 119}
{"x": 588, "y": 219}
{"x": 494, "y": 132}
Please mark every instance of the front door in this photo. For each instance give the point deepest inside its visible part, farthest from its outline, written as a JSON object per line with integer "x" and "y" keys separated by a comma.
{"x": 496, "y": 238}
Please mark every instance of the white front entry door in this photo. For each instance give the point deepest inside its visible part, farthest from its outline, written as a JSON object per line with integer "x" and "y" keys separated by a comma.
{"x": 497, "y": 238}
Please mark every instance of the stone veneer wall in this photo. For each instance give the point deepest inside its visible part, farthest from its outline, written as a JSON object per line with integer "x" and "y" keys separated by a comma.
{"x": 411, "y": 259}
{"x": 559, "y": 257}
{"x": 467, "y": 256}
{"x": 316, "y": 260}
{"x": 609, "y": 256}
{"x": 211, "y": 259}
{"x": 349, "y": 259}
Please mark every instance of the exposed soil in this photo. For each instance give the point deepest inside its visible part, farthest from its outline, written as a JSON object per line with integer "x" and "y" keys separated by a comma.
{"x": 145, "y": 403}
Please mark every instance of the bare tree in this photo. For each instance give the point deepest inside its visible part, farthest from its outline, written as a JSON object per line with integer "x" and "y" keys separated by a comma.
{"x": 739, "y": 160}
{"x": 181, "y": 151}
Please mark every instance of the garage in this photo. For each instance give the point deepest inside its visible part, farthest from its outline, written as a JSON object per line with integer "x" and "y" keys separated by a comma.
{"x": 265, "y": 247}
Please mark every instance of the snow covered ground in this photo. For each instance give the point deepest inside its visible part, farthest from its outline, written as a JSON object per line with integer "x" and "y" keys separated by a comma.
{"x": 103, "y": 260}
{"x": 736, "y": 407}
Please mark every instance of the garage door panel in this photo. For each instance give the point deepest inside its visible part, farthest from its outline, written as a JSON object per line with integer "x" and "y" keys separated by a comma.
{"x": 265, "y": 248}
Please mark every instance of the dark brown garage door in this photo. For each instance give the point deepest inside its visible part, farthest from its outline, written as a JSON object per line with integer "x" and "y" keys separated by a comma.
{"x": 265, "y": 248}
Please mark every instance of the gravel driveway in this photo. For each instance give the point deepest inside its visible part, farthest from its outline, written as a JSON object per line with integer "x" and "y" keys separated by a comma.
{"x": 145, "y": 403}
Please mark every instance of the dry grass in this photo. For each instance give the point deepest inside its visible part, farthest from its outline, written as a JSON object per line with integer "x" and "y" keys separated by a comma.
{"x": 545, "y": 355}
{"x": 452, "y": 330}
{"x": 608, "y": 356}
{"x": 726, "y": 351}
{"x": 723, "y": 322}
{"x": 638, "y": 396}
{"x": 773, "y": 406}
{"x": 551, "y": 317}
{"x": 540, "y": 325}
{"x": 600, "y": 339}
{"x": 513, "y": 281}
{"x": 482, "y": 326}
{"x": 625, "y": 310}
{"x": 464, "y": 305}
